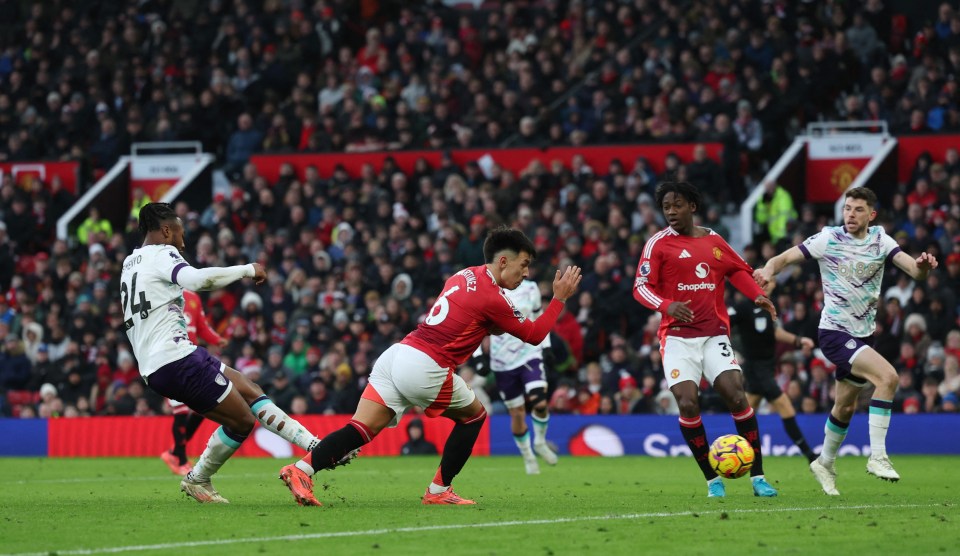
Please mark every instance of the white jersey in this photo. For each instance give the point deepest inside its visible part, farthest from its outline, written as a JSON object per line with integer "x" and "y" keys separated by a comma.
{"x": 851, "y": 270}
{"x": 508, "y": 352}
{"x": 152, "y": 304}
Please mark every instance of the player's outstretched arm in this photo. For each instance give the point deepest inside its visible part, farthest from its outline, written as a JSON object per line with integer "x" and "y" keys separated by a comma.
{"x": 795, "y": 340}
{"x": 205, "y": 279}
{"x": 534, "y": 331}
{"x": 917, "y": 268}
{"x": 773, "y": 267}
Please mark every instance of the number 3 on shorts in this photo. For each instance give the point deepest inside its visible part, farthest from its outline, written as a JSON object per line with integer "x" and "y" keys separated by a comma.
{"x": 725, "y": 349}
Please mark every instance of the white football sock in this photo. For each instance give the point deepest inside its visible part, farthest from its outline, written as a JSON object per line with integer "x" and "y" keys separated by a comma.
{"x": 278, "y": 422}
{"x": 219, "y": 449}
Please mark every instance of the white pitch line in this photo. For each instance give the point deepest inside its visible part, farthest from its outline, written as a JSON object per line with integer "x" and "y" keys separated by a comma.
{"x": 220, "y": 476}
{"x": 364, "y": 532}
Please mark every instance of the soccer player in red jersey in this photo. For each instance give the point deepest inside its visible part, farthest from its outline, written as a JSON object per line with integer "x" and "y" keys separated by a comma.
{"x": 681, "y": 274}
{"x": 185, "y": 420}
{"x": 420, "y": 370}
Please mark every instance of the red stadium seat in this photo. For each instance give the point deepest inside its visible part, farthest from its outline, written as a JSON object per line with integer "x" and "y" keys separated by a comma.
{"x": 17, "y": 398}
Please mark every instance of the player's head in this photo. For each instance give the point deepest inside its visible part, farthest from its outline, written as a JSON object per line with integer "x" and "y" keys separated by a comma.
{"x": 160, "y": 224}
{"x": 509, "y": 251}
{"x": 859, "y": 209}
{"x": 678, "y": 200}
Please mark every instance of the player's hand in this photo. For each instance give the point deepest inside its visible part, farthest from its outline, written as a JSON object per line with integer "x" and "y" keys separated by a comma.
{"x": 566, "y": 284}
{"x": 926, "y": 262}
{"x": 259, "y": 274}
{"x": 762, "y": 276}
{"x": 224, "y": 342}
{"x": 764, "y": 303}
{"x": 681, "y": 311}
{"x": 806, "y": 342}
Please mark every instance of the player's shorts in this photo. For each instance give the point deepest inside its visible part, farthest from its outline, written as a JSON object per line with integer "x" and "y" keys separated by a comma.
{"x": 696, "y": 358}
{"x": 516, "y": 383}
{"x": 841, "y": 349}
{"x": 759, "y": 379}
{"x": 197, "y": 380}
{"x": 404, "y": 376}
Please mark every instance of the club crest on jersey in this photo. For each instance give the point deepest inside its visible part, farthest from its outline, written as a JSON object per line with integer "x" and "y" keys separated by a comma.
{"x": 717, "y": 253}
{"x": 675, "y": 373}
{"x": 850, "y": 344}
{"x": 645, "y": 268}
{"x": 221, "y": 380}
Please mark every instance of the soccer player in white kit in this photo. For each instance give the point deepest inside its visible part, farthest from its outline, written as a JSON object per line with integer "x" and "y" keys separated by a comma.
{"x": 518, "y": 370}
{"x": 852, "y": 258}
{"x": 151, "y": 296}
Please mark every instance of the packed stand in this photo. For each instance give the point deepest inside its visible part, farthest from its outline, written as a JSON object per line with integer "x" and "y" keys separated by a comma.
{"x": 354, "y": 262}
{"x": 85, "y": 82}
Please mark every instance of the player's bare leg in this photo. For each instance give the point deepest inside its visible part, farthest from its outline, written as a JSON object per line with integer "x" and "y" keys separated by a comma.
{"x": 456, "y": 451}
{"x": 521, "y": 436}
{"x": 687, "y": 395}
{"x": 369, "y": 419}
{"x": 872, "y": 366}
{"x": 729, "y": 384}
{"x": 236, "y": 422}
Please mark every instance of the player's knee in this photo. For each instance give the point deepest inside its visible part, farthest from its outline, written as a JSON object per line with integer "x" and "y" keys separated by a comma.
{"x": 688, "y": 407}
{"x": 889, "y": 382}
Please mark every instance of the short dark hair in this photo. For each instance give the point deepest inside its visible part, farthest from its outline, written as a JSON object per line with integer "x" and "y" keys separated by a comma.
{"x": 862, "y": 193}
{"x": 153, "y": 215}
{"x": 504, "y": 238}
{"x": 685, "y": 189}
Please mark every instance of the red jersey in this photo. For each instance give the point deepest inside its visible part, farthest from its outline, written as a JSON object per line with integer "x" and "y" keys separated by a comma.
{"x": 470, "y": 306}
{"x": 197, "y": 321}
{"x": 676, "y": 267}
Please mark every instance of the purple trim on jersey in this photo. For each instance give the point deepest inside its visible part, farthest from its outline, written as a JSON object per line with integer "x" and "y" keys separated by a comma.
{"x": 513, "y": 383}
{"x": 839, "y": 348}
{"x": 195, "y": 380}
{"x": 805, "y": 251}
{"x": 176, "y": 270}
{"x": 892, "y": 253}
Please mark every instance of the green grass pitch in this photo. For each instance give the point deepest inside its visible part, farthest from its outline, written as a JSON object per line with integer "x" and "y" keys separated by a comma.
{"x": 629, "y": 505}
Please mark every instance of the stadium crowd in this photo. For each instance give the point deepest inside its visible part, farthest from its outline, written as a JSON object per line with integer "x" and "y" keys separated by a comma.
{"x": 353, "y": 261}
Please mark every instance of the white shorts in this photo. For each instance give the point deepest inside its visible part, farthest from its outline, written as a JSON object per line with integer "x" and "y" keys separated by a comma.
{"x": 404, "y": 376}
{"x": 696, "y": 358}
